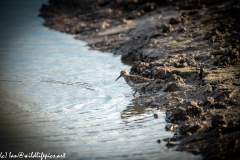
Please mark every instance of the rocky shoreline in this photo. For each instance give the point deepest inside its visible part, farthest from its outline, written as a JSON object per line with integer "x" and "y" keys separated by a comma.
{"x": 191, "y": 48}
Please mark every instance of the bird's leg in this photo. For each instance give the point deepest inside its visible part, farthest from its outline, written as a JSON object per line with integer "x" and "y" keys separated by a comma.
{"x": 143, "y": 89}
{"x": 135, "y": 92}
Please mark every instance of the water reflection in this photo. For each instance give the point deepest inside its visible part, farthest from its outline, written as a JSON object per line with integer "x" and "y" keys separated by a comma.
{"x": 134, "y": 110}
{"x": 69, "y": 83}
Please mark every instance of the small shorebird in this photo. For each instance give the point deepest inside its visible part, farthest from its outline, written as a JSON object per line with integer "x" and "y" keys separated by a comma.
{"x": 135, "y": 81}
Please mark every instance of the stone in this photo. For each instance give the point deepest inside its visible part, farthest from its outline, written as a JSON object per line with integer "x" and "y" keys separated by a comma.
{"x": 171, "y": 87}
{"x": 175, "y": 20}
{"x": 193, "y": 108}
{"x": 167, "y": 28}
{"x": 192, "y": 128}
{"x": 218, "y": 105}
{"x": 218, "y": 120}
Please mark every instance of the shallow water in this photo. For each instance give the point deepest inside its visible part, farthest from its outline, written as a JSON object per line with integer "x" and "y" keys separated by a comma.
{"x": 59, "y": 97}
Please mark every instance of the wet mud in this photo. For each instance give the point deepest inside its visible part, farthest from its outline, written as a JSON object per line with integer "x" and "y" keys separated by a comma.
{"x": 191, "y": 48}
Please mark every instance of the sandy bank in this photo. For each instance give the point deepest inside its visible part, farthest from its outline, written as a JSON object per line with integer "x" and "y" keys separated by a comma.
{"x": 190, "y": 47}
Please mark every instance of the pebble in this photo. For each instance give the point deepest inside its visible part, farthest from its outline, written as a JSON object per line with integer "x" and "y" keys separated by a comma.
{"x": 155, "y": 115}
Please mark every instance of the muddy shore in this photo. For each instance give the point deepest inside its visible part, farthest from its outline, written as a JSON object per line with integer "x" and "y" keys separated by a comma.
{"x": 191, "y": 48}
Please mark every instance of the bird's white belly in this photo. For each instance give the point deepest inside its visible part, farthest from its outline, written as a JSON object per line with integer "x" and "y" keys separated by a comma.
{"x": 140, "y": 85}
{"x": 130, "y": 83}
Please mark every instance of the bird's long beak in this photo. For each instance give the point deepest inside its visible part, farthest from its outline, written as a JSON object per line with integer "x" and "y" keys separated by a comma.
{"x": 118, "y": 77}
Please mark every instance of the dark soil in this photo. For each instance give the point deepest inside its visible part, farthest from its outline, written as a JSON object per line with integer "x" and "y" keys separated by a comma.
{"x": 191, "y": 48}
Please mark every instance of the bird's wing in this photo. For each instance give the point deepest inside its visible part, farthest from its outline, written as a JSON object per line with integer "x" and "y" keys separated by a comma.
{"x": 140, "y": 85}
{"x": 139, "y": 79}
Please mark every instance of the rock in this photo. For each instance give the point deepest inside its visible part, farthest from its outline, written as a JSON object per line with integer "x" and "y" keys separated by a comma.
{"x": 218, "y": 120}
{"x": 209, "y": 88}
{"x": 156, "y": 63}
{"x": 155, "y": 86}
{"x": 149, "y": 7}
{"x": 167, "y": 28}
{"x": 167, "y": 139}
{"x": 150, "y": 54}
{"x": 188, "y": 133}
{"x": 170, "y": 145}
{"x": 221, "y": 98}
{"x": 172, "y": 86}
{"x": 182, "y": 29}
{"x": 160, "y": 72}
{"x": 192, "y": 128}
{"x": 233, "y": 54}
{"x": 139, "y": 67}
{"x": 233, "y": 144}
{"x": 155, "y": 115}
{"x": 134, "y": 14}
{"x": 172, "y": 116}
{"x": 218, "y": 105}
{"x": 211, "y": 34}
{"x": 191, "y": 62}
{"x": 175, "y": 20}
{"x": 193, "y": 108}
{"x": 180, "y": 65}
{"x": 183, "y": 65}
{"x": 171, "y": 127}
{"x": 225, "y": 60}
{"x": 210, "y": 99}
{"x": 175, "y": 78}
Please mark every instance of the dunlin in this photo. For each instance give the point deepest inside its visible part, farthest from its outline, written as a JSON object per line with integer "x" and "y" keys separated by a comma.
{"x": 138, "y": 83}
